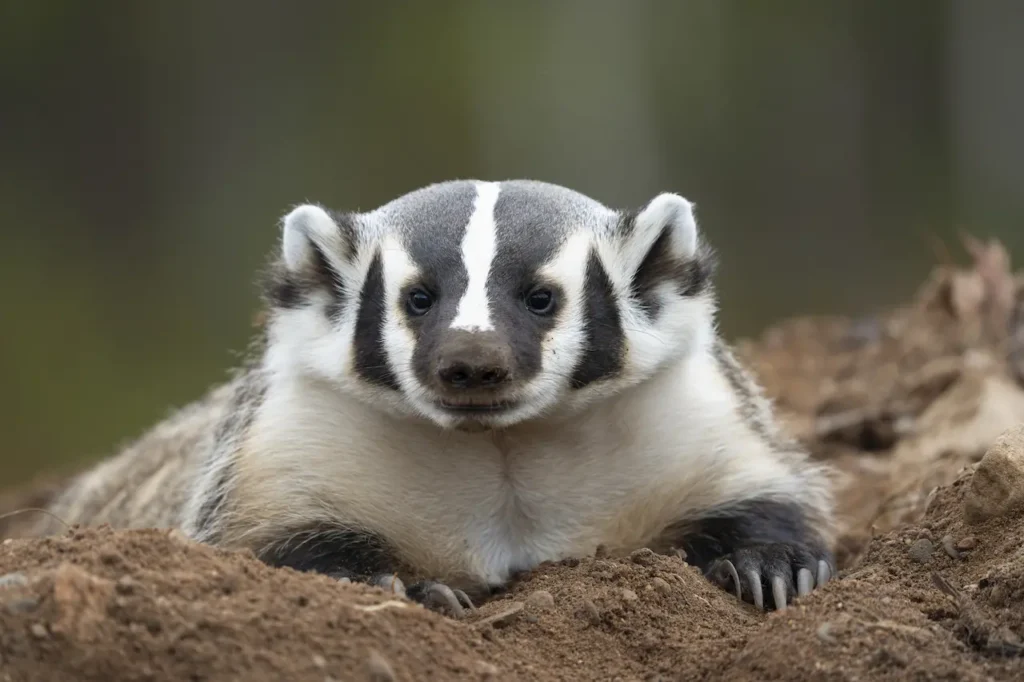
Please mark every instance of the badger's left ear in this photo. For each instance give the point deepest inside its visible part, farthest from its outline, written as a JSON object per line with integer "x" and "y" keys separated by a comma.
{"x": 660, "y": 244}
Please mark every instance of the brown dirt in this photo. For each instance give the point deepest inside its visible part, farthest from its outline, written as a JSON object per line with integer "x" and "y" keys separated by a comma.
{"x": 904, "y": 404}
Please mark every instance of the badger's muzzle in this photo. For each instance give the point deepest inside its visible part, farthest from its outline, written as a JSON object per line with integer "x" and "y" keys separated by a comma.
{"x": 473, "y": 371}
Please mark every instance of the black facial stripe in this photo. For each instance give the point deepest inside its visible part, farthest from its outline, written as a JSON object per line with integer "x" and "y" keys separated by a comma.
{"x": 602, "y": 355}
{"x": 719, "y": 532}
{"x": 692, "y": 277}
{"x": 371, "y": 361}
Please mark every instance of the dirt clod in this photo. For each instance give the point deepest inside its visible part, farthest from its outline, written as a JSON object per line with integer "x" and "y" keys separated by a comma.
{"x": 540, "y": 600}
{"x": 967, "y": 543}
{"x": 997, "y": 487}
{"x": 949, "y": 546}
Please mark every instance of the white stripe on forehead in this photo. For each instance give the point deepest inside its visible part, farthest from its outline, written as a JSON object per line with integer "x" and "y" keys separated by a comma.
{"x": 478, "y": 248}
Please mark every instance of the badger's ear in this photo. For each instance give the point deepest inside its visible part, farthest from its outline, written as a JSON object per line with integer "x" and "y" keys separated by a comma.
{"x": 316, "y": 249}
{"x": 660, "y": 244}
{"x": 312, "y": 238}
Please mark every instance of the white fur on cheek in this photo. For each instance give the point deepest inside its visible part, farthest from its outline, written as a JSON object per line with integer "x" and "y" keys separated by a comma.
{"x": 478, "y": 248}
{"x": 304, "y": 342}
{"x": 683, "y": 327}
{"x": 399, "y": 341}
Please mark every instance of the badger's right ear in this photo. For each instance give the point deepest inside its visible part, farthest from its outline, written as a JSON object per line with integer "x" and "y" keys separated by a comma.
{"x": 316, "y": 247}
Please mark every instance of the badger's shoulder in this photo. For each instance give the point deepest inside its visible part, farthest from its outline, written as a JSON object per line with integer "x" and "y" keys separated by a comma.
{"x": 147, "y": 482}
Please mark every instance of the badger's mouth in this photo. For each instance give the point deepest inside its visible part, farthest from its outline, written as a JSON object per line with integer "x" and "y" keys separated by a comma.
{"x": 463, "y": 407}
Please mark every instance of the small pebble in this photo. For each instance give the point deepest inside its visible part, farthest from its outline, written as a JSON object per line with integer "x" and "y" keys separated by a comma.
{"x": 39, "y": 631}
{"x": 13, "y": 580}
{"x": 379, "y": 668}
{"x": 967, "y": 544}
{"x": 949, "y": 547}
{"x": 921, "y": 551}
{"x": 487, "y": 669}
{"x": 590, "y": 612}
{"x": 997, "y": 597}
{"x": 8, "y": 541}
{"x": 319, "y": 661}
{"x": 824, "y": 633}
{"x": 661, "y": 586}
{"x": 629, "y": 595}
{"x": 21, "y": 604}
{"x": 644, "y": 557}
{"x": 125, "y": 585}
{"x": 540, "y": 600}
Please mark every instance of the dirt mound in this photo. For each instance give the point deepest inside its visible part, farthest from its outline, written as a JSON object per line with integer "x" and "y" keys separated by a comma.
{"x": 904, "y": 404}
{"x": 150, "y": 605}
{"x": 935, "y": 600}
{"x": 901, "y": 401}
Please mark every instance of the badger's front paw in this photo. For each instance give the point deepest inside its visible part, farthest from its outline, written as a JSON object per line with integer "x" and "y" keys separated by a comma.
{"x": 430, "y": 593}
{"x": 779, "y": 570}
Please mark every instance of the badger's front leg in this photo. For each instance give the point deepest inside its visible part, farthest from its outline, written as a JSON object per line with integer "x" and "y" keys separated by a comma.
{"x": 353, "y": 555}
{"x": 762, "y": 550}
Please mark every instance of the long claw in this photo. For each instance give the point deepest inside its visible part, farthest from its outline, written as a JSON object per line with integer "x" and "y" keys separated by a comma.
{"x": 390, "y": 582}
{"x": 823, "y": 572}
{"x": 731, "y": 567}
{"x": 464, "y": 599}
{"x": 779, "y": 592}
{"x": 804, "y": 582}
{"x": 755, "y": 585}
{"x": 443, "y": 595}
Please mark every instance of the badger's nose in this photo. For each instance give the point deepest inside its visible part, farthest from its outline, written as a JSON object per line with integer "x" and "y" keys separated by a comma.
{"x": 474, "y": 360}
{"x": 464, "y": 375}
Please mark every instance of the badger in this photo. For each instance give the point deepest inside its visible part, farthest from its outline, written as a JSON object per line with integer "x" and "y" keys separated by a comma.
{"x": 470, "y": 380}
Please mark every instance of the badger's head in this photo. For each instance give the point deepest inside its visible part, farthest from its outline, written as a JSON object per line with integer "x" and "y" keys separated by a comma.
{"x": 481, "y": 305}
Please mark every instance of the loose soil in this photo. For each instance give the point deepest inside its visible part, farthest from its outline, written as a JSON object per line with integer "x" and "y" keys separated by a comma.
{"x": 904, "y": 404}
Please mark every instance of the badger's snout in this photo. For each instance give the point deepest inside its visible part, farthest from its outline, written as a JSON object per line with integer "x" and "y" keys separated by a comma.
{"x": 473, "y": 362}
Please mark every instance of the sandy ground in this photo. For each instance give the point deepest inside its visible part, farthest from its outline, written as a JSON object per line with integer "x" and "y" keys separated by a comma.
{"x": 905, "y": 404}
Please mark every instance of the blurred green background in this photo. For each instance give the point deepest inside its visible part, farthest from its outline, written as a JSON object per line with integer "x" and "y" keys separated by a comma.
{"x": 148, "y": 149}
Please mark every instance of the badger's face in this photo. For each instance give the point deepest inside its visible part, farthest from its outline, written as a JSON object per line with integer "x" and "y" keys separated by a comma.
{"x": 481, "y": 305}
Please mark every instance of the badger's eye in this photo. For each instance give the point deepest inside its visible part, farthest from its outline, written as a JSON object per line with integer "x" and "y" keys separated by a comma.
{"x": 419, "y": 302}
{"x": 540, "y": 301}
